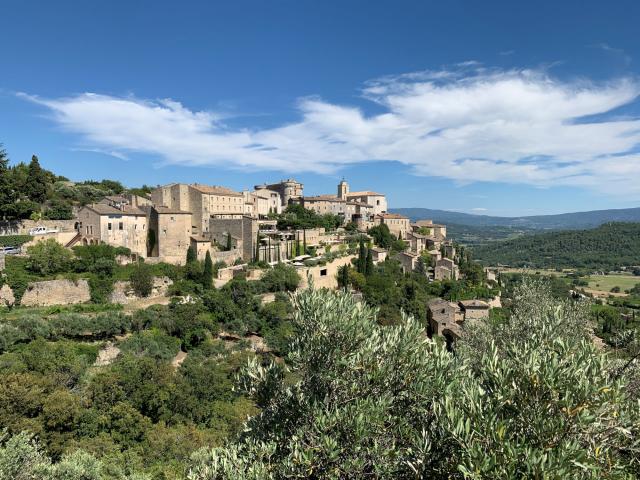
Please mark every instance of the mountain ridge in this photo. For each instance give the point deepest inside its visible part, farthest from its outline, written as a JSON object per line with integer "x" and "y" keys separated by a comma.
{"x": 564, "y": 221}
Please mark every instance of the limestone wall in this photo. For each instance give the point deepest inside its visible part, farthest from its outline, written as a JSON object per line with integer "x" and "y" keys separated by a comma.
{"x": 56, "y": 292}
{"x": 123, "y": 293}
{"x": 6, "y": 296}
{"x": 22, "y": 227}
{"x": 323, "y": 276}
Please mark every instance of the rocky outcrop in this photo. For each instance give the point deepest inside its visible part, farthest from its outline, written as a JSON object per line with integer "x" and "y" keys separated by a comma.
{"x": 123, "y": 293}
{"x": 56, "y": 292}
{"x": 7, "y": 299}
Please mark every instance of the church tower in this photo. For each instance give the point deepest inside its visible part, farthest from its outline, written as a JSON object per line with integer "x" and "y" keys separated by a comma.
{"x": 343, "y": 189}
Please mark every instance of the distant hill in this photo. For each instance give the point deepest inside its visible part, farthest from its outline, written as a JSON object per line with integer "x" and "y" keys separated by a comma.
{"x": 606, "y": 247}
{"x": 563, "y": 221}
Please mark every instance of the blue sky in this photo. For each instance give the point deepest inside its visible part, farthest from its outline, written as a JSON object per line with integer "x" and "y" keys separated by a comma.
{"x": 502, "y": 108}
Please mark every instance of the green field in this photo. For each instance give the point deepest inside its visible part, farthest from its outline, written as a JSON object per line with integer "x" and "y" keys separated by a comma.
{"x": 607, "y": 282}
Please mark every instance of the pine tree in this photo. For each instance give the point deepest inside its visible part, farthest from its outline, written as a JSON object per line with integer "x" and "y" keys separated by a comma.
{"x": 191, "y": 255}
{"x": 207, "y": 274}
{"x": 368, "y": 269}
{"x": 36, "y": 182}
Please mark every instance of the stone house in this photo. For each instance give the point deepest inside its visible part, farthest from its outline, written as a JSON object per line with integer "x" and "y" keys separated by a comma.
{"x": 474, "y": 309}
{"x": 447, "y": 318}
{"x": 444, "y": 318}
{"x": 378, "y": 201}
{"x": 446, "y": 269}
{"x": 123, "y": 226}
{"x": 172, "y": 231}
{"x": 289, "y": 190}
{"x": 399, "y": 225}
{"x": 379, "y": 254}
{"x": 408, "y": 261}
{"x": 201, "y": 245}
{"x": 263, "y": 202}
{"x": 203, "y": 201}
{"x": 243, "y": 231}
{"x": 323, "y": 204}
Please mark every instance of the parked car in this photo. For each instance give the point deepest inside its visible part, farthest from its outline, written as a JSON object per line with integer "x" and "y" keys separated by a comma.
{"x": 40, "y": 230}
{"x": 10, "y": 250}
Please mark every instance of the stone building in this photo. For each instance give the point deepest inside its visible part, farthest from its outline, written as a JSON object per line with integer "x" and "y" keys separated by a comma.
{"x": 408, "y": 261}
{"x": 378, "y": 201}
{"x": 289, "y": 190}
{"x": 323, "y": 204}
{"x": 201, "y": 245}
{"x": 447, "y": 318}
{"x": 446, "y": 269}
{"x": 172, "y": 232}
{"x": 474, "y": 309}
{"x": 122, "y": 226}
{"x": 243, "y": 231}
{"x": 263, "y": 202}
{"x": 203, "y": 201}
{"x": 399, "y": 225}
{"x": 378, "y": 254}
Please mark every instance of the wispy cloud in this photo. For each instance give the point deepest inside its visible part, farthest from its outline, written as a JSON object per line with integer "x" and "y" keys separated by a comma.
{"x": 618, "y": 53}
{"x": 468, "y": 123}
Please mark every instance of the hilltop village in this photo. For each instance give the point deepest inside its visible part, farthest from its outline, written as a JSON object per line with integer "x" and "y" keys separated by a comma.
{"x": 244, "y": 232}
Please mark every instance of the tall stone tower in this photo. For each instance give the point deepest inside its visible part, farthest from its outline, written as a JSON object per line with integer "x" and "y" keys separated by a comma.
{"x": 343, "y": 189}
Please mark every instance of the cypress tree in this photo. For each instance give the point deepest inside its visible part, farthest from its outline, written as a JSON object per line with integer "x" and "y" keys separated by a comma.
{"x": 191, "y": 255}
{"x": 368, "y": 270}
{"x": 362, "y": 257}
{"x": 304, "y": 241}
{"x": 207, "y": 274}
{"x": 344, "y": 276}
{"x": 257, "y": 259}
{"x": 36, "y": 182}
{"x": 6, "y": 191}
{"x": 228, "y": 242}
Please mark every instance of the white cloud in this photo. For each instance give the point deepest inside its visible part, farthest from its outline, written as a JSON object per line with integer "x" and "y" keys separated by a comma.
{"x": 468, "y": 124}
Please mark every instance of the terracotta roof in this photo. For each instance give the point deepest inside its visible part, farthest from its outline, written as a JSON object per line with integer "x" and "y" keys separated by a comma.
{"x": 215, "y": 190}
{"x": 365, "y": 192}
{"x": 104, "y": 209}
{"x": 163, "y": 209}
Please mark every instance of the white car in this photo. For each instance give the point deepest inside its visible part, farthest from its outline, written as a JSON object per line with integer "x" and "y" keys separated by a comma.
{"x": 40, "y": 230}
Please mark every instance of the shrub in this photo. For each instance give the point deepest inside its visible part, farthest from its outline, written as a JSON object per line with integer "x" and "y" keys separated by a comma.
{"x": 141, "y": 280}
{"x": 48, "y": 257}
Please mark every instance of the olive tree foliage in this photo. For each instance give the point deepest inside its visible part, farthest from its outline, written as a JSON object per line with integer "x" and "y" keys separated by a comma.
{"x": 528, "y": 398}
{"x": 22, "y": 458}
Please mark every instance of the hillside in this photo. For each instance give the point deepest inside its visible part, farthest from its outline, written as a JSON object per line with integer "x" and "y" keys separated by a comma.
{"x": 575, "y": 220}
{"x": 607, "y": 247}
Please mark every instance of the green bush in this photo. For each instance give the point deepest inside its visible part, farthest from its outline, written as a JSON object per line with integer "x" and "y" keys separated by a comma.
{"x": 48, "y": 257}
{"x": 141, "y": 280}
{"x": 14, "y": 240}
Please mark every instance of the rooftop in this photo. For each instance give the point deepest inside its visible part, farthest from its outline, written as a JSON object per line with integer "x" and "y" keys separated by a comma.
{"x": 104, "y": 209}
{"x": 323, "y": 198}
{"x": 365, "y": 192}
{"x": 215, "y": 190}
{"x": 392, "y": 215}
{"x": 164, "y": 210}
{"x": 474, "y": 304}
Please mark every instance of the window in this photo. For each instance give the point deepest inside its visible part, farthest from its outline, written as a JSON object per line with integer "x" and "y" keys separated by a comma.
{"x": 377, "y": 202}
{"x": 109, "y": 226}
{"x": 120, "y": 226}
{"x": 173, "y": 219}
{"x": 323, "y": 272}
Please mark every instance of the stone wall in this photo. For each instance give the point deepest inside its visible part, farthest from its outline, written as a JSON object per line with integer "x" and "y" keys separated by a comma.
{"x": 22, "y": 227}
{"x": 123, "y": 293}
{"x": 56, "y": 292}
{"x": 6, "y": 296}
{"x": 228, "y": 257}
{"x": 323, "y": 276}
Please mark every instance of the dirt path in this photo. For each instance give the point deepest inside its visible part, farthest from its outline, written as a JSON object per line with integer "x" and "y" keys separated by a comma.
{"x": 178, "y": 359}
{"x": 107, "y": 355}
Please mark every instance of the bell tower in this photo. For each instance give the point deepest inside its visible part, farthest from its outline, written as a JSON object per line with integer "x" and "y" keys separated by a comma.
{"x": 343, "y": 189}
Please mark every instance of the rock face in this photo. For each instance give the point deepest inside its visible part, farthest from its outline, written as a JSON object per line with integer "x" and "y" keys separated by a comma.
{"x": 56, "y": 292}
{"x": 6, "y": 296}
{"x": 123, "y": 293}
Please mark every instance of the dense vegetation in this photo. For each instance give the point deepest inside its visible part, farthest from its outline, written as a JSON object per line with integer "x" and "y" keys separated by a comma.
{"x": 297, "y": 217}
{"x": 30, "y": 191}
{"x": 607, "y": 247}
